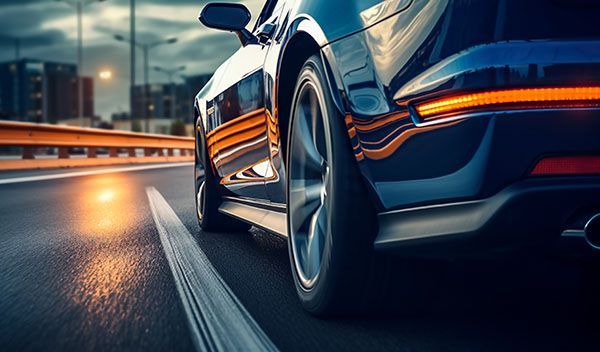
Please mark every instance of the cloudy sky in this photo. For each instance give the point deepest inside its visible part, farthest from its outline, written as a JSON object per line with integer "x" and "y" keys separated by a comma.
{"x": 49, "y": 32}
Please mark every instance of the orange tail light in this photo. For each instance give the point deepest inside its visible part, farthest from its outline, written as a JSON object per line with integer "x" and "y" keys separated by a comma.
{"x": 520, "y": 98}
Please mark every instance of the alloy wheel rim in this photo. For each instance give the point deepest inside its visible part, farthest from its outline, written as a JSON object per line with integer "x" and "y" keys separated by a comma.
{"x": 309, "y": 178}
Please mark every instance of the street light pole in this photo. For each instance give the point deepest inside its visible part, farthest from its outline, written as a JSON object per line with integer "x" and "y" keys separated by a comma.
{"x": 17, "y": 78}
{"x": 80, "y": 63}
{"x": 17, "y": 49}
{"x": 132, "y": 58}
{"x": 145, "y": 47}
{"x": 78, "y": 5}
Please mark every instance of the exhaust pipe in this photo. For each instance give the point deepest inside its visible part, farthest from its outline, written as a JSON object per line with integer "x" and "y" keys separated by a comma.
{"x": 592, "y": 231}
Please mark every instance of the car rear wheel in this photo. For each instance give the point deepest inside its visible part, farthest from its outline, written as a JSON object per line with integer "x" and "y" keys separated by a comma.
{"x": 331, "y": 222}
{"x": 208, "y": 198}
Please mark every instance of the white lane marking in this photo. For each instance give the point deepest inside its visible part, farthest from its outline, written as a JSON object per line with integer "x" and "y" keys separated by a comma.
{"x": 88, "y": 173}
{"x": 217, "y": 319}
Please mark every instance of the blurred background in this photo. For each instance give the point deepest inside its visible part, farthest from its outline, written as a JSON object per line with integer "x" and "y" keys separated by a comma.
{"x": 69, "y": 62}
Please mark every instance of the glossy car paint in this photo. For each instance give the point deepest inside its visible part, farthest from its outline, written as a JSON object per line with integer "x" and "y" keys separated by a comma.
{"x": 290, "y": 18}
{"x": 385, "y": 56}
{"x": 441, "y": 47}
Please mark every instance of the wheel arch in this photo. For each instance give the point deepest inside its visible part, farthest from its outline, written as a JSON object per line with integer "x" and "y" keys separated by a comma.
{"x": 305, "y": 39}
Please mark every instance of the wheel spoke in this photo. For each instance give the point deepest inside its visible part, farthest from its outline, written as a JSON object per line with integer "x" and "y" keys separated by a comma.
{"x": 200, "y": 200}
{"x": 309, "y": 155}
{"x": 314, "y": 111}
{"x": 304, "y": 201}
{"x": 318, "y": 229}
{"x": 317, "y": 127}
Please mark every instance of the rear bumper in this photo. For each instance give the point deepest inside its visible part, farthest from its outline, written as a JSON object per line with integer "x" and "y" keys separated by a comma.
{"x": 530, "y": 212}
{"x": 410, "y": 160}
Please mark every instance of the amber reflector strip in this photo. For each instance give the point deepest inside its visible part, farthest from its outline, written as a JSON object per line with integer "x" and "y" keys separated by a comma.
{"x": 567, "y": 165}
{"x": 544, "y": 97}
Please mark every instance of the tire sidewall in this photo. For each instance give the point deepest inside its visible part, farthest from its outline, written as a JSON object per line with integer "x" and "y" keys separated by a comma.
{"x": 320, "y": 298}
{"x": 200, "y": 162}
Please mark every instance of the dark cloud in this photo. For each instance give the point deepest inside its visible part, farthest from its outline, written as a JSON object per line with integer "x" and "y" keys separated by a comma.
{"x": 167, "y": 26}
{"x": 20, "y": 2}
{"x": 47, "y": 31}
{"x": 170, "y": 2}
{"x": 21, "y": 20}
{"x": 46, "y": 38}
{"x": 207, "y": 53}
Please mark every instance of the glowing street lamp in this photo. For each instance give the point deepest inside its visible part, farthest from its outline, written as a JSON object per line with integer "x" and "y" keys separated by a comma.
{"x": 105, "y": 75}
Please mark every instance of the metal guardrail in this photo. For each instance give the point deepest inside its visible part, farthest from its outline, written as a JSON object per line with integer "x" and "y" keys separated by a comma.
{"x": 29, "y": 136}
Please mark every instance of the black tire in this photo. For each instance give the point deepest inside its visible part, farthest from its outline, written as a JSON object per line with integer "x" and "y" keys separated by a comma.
{"x": 207, "y": 196}
{"x": 347, "y": 275}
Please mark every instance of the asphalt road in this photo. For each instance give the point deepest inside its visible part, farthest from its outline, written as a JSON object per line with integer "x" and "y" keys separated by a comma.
{"x": 82, "y": 267}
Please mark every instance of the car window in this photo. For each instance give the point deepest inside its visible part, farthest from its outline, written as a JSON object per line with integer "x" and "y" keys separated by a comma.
{"x": 266, "y": 12}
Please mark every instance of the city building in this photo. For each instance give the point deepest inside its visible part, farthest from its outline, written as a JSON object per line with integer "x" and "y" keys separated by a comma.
{"x": 41, "y": 91}
{"x": 157, "y": 107}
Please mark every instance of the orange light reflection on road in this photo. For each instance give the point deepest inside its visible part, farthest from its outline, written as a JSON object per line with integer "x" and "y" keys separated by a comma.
{"x": 106, "y": 196}
{"x": 106, "y": 213}
{"x": 104, "y": 208}
{"x": 104, "y": 278}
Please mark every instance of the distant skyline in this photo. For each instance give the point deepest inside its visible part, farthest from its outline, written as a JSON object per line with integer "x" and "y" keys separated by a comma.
{"x": 48, "y": 30}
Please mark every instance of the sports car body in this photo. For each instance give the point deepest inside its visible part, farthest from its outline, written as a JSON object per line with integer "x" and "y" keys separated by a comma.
{"x": 422, "y": 127}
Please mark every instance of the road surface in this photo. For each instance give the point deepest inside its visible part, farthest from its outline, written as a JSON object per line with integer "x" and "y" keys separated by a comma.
{"x": 109, "y": 261}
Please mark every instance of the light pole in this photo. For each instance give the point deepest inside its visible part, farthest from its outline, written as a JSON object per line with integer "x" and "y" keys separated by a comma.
{"x": 131, "y": 58}
{"x": 145, "y": 47}
{"x": 17, "y": 43}
{"x": 171, "y": 72}
{"x": 17, "y": 49}
{"x": 79, "y": 5}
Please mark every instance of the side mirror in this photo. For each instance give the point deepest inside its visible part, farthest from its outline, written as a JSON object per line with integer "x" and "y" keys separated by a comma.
{"x": 231, "y": 17}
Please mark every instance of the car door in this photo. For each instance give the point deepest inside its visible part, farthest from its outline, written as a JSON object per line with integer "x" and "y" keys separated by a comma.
{"x": 240, "y": 122}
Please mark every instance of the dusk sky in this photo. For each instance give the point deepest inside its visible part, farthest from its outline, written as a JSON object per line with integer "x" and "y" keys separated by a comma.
{"x": 48, "y": 30}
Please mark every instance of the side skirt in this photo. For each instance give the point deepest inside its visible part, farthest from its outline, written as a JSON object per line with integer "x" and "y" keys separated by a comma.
{"x": 271, "y": 218}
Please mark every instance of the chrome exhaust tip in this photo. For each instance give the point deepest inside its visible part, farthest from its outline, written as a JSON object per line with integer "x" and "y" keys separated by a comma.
{"x": 592, "y": 231}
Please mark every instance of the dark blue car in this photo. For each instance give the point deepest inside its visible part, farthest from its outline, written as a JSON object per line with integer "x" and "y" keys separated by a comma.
{"x": 426, "y": 128}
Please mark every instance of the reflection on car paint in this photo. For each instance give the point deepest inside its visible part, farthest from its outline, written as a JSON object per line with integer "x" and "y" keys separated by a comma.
{"x": 237, "y": 137}
{"x": 257, "y": 173}
{"x": 396, "y": 128}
